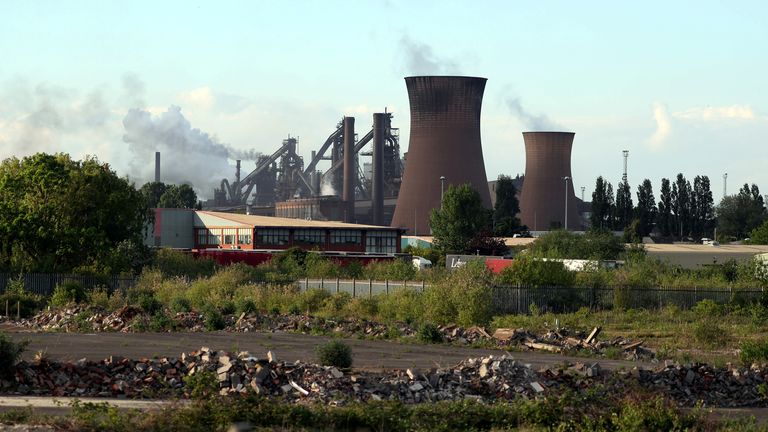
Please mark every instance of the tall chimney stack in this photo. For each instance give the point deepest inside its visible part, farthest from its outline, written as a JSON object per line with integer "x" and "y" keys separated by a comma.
{"x": 157, "y": 167}
{"x": 350, "y": 173}
{"x": 377, "y": 195}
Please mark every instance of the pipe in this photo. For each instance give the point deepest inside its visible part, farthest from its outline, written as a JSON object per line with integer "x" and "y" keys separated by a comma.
{"x": 348, "y": 190}
{"x": 377, "y": 174}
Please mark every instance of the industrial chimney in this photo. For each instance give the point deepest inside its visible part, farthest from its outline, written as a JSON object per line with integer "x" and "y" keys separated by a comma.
{"x": 350, "y": 172}
{"x": 444, "y": 142}
{"x": 377, "y": 170}
{"x": 545, "y": 188}
{"x": 157, "y": 167}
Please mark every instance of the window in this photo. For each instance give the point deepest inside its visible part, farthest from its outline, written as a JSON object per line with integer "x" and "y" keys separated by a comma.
{"x": 309, "y": 236}
{"x": 347, "y": 237}
{"x": 202, "y": 236}
{"x": 244, "y": 236}
{"x": 229, "y": 235}
{"x": 277, "y": 237}
{"x": 214, "y": 237}
{"x": 381, "y": 242}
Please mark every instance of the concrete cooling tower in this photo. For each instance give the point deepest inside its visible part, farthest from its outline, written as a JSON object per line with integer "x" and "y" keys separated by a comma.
{"x": 444, "y": 142}
{"x": 547, "y": 162}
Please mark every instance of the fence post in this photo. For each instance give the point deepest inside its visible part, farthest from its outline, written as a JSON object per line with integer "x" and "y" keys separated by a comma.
{"x": 422, "y": 287}
{"x": 306, "y": 283}
{"x": 354, "y": 284}
{"x": 6, "y": 308}
{"x": 405, "y": 284}
{"x": 322, "y": 283}
{"x": 337, "y": 288}
{"x": 386, "y": 285}
{"x": 519, "y": 293}
{"x": 18, "y": 310}
{"x": 370, "y": 287}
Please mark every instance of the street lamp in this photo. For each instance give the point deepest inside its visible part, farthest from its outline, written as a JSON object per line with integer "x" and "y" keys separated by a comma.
{"x": 566, "y": 178}
{"x": 442, "y": 190}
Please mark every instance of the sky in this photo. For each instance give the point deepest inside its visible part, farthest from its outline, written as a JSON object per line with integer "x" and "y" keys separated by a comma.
{"x": 681, "y": 85}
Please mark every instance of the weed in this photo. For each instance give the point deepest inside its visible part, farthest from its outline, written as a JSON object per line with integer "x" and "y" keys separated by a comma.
{"x": 10, "y": 353}
{"x": 335, "y": 353}
{"x": 429, "y": 333}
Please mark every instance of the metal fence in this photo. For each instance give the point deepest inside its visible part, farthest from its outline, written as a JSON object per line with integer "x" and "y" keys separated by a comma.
{"x": 45, "y": 283}
{"x": 523, "y": 299}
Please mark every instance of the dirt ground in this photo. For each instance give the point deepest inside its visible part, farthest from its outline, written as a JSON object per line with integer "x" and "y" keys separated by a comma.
{"x": 368, "y": 354}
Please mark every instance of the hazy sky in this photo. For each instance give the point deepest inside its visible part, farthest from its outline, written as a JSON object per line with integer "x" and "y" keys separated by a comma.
{"x": 681, "y": 85}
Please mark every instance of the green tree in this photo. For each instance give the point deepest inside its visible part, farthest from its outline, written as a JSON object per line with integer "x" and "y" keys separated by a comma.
{"x": 624, "y": 206}
{"x": 665, "y": 221}
{"x": 738, "y": 215}
{"x": 703, "y": 212}
{"x": 505, "y": 221}
{"x": 681, "y": 205}
{"x": 460, "y": 219}
{"x": 759, "y": 235}
{"x": 181, "y": 196}
{"x": 645, "y": 212}
{"x": 602, "y": 205}
{"x": 57, "y": 214}
{"x": 594, "y": 244}
{"x": 152, "y": 191}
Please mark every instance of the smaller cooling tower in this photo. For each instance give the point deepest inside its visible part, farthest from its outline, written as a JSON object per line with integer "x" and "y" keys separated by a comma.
{"x": 547, "y": 162}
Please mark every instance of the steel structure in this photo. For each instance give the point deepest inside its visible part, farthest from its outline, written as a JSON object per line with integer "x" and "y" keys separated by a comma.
{"x": 444, "y": 142}
{"x": 547, "y": 164}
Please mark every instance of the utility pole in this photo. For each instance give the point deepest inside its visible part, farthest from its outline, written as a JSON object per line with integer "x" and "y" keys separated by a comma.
{"x": 442, "y": 190}
{"x": 725, "y": 185}
{"x": 626, "y": 155}
{"x": 566, "y": 178}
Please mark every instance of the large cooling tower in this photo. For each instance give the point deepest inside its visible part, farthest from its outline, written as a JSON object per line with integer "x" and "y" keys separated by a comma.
{"x": 547, "y": 162}
{"x": 445, "y": 142}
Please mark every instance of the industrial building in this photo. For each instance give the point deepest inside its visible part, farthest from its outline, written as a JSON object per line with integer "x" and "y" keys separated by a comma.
{"x": 547, "y": 197}
{"x": 444, "y": 147}
{"x": 194, "y": 229}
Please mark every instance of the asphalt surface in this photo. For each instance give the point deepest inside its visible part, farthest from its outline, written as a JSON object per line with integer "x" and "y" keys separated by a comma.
{"x": 368, "y": 354}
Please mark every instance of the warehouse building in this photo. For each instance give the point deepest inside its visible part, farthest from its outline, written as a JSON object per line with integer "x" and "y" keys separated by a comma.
{"x": 193, "y": 229}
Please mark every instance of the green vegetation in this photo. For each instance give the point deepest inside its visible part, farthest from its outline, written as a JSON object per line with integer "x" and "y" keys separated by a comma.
{"x": 429, "y": 333}
{"x": 18, "y": 300}
{"x": 68, "y": 292}
{"x": 593, "y": 245}
{"x": 335, "y": 353}
{"x": 10, "y": 354}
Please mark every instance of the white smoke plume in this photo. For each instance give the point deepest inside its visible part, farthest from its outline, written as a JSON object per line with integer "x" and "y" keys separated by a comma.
{"x": 326, "y": 186}
{"x": 533, "y": 122}
{"x": 188, "y": 155}
{"x": 420, "y": 59}
{"x": 663, "y": 126}
{"x": 245, "y": 155}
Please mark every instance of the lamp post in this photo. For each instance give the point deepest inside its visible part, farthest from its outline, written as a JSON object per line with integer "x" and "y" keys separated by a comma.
{"x": 442, "y": 190}
{"x": 725, "y": 185}
{"x": 566, "y": 178}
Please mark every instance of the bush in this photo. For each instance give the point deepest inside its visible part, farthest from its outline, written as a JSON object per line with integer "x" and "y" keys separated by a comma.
{"x": 335, "y": 353}
{"x": 429, "y": 333}
{"x": 710, "y": 334}
{"x": 161, "y": 323}
{"x": 10, "y": 353}
{"x": 180, "y": 304}
{"x": 707, "y": 309}
{"x": 397, "y": 270}
{"x": 99, "y": 298}
{"x": 16, "y": 295}
{"x": 530, "y": 271}
{"x": 149, "y": 304}
{"x": 363, "y": 307}
{"x": 245, "y": 306}
{"x": 753, "y": 352}
{"x": 176, "y": 263}
{"x": 335, "y": 304}
{"x": 403, "y": 305}
{"x": 201, "y": 384}
{"x": 465, "y": 297}
{"x": 66, "y": 293}
{"x": 214, "y": 320}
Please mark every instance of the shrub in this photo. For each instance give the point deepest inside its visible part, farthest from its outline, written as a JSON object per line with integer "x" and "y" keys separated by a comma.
{"x": 10, "y": 353}
{"x": 753, "y": 352}
{"x": 245, "y": 306}
{"x": 335, "y": 353}
{"x": 363, "y": 307}
{"x": 710, "y": 334}
{"x": 160, "y": 323}
{"x": 201, "y": 384}
{"x": 16, "y": 295}
{"x": 66, "y": 293}
{"x": 176, "y": 263}
{"x": 397, "y": 269}
{"x": 335, "y": 304}
{"x": 429, "y": 333}
{"x": 403, "y": 305}
{"x": 707, "y": 309}
{"x": 227, "y": 307}
{"x": 531, "y": 271}
{"x": 214, "y": 320}
{"x": 311, "y": 300}
{"x": 99, "y": 298}
{"x": 465, "y": 297}
{"x": 179, "y": 304}
{"x": 149, "y": 304}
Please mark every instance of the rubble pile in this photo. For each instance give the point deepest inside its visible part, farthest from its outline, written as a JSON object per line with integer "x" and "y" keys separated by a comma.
{"x": 564, "y": 341}
{"x": 485, "y": 379}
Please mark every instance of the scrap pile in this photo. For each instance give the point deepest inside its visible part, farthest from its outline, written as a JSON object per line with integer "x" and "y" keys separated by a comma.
{"x": 562, "y": 341}
{"x": 484, "y": 379}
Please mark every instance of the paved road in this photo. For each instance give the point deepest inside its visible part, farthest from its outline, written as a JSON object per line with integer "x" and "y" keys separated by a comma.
{"x": 368, "y": 354}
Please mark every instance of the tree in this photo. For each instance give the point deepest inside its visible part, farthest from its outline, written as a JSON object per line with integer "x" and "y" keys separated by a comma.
{"x": 759, "y": 235}
{"x": 602, "y": 205}
{"x": 703, "y": 212}
{"x": 665, "y": 221}
{"x": 681, "y": 205}
{"x": 182, "y": 196}
{"x": 645, "y": 212}
{"x": 623, "y": 206}
{"x": 594, "y": 244}
{"x": 152, "y": 191}
{"x": 505, "y": 221}
{"x": 57, "y": 214}
{"x": 460, "y": 219}
{"x": 738, "y": 215}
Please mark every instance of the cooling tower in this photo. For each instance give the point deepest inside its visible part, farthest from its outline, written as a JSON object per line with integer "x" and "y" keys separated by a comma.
{"x": 445, "y": 141}
{"x": 547, "y": 162}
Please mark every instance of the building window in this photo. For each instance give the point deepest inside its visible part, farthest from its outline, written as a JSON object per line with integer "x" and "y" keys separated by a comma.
{"x": 214, "y": 237}
{"x": 276, "y": 237}
{"x": 381, "y": 242}
{"x": 244, "y": 236}
{"x": 202, "y": 236}
{"x": 309, "y": 236}
{"x": 229, "y": 235}
{"x": 346, "y": 237}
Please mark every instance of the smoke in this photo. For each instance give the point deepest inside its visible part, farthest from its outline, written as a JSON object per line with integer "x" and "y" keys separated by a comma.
{"x": 326, "y": 186}
{"x": 188, "y": 155}
{"x": 533, "y": 122}
{"x": 420, "y": 59}
{"x": 134, "y": 90}
{"x": 246, "y": 155}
